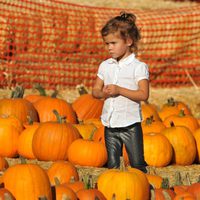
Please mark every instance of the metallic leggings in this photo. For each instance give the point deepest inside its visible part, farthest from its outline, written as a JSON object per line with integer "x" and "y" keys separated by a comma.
{"x": 132, "y": 137}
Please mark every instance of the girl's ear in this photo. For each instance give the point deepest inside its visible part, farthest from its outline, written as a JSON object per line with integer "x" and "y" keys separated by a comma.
{"x": 129, "y": 41}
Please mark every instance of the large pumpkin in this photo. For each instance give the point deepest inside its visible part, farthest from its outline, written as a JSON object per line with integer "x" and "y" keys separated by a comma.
{"x": 51, "y": 140}
{"x": 46, "y": 105}
{"x": 27, "y": 181}
{"x": 87, "y": 107}
{"x": 183, "y": 143}
{"x": 87, "y": 153}
{"x": 157, "y": 150}
{"x": 124, "y": 184}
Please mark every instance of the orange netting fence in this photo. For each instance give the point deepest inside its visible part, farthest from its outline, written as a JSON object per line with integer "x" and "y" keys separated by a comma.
{"x": 58, "y": 44}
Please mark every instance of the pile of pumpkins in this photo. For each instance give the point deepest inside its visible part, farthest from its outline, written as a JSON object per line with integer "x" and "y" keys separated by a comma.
{"x": 48, "y": 128}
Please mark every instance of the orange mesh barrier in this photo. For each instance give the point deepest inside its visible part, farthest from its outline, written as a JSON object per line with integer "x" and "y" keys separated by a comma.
{"x": 58, "y": 44}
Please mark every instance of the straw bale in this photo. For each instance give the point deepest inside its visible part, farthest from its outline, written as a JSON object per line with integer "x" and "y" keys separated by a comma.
{"x": 188, "y": 174}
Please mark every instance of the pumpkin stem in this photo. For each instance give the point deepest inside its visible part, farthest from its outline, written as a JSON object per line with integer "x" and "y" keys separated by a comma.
{"x": 30, "y": 120}
{"x": 81, "y": 89}
{"x": 60, "y": 119}
{"x": 171, "y": 102}
{"x": 166, "y": 195}
{"x": 114, "y": 196}
{"x": 22, "y": 159}
{"x": 57, "y": 181}
{"x": 181, "y": 113}
{"x": 18, "y": 92}
{"x": 122, "y": 164}
{"x": 7, "y": 196}
{"x": 92, "y": 134}
{"x": 72, "y": 179}
{"x": 149, "y": 120}
{"x": 172, "y": 124}
{"x": 40, "y": 89}
{"x": 54, "y": 94}
{"x": 96, "y": 198}
{"x": 165, "y": 183}
{"x": 65, "y": 197}
{"x": 42, "y": 198}
{"x": 87, "y": 180}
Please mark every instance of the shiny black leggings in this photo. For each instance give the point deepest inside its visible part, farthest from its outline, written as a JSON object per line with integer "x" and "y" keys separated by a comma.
{"x": 132, "y": 137}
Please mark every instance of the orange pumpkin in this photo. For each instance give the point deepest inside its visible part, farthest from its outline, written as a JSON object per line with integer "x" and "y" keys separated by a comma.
{"x": 91, "y": 153}
{"x": 131, "y": 184}
{"x": 45, "y": 106}
{"x": 20, "y": 108}
{"x": 25, "y": 140}
{"x": 12, "y": 120}
{"x": 159, "y": 194}
{"x": 183, "y": 143}
{"x": 90, "y": 194}
{"x": 8, "y": 133}
{"x": 95, "y": 121}
{"x": 155, "y": 180}
{"x": 55, "y": 138}
{"x": 148, "y": 111}
{"x": 64, "y": 192}
{"x": 63, "y": 171}
{"x": 194, "y": 189}
{"x": 87, "y": 107}
{"x": 85, "y": 130}
{"x": 185, "y": 196}
{"x": 27, "y": 181}
{"x": 150, "y": 125}
{"x": 75, "y": 185}
{"x": 196, "y": 135}
{"x": 182, "y": 120}
{"x": 157, "y": 150}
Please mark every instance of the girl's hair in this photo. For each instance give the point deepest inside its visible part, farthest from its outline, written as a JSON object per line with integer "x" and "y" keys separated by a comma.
{"x": 125, "y": 25}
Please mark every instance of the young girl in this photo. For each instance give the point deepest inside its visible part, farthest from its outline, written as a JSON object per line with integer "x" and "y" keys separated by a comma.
{"x": 123, "y": 82}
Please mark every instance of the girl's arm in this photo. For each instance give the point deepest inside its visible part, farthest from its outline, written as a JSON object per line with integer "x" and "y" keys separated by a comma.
{"x": 142, "y": 94}
{"x": 97, "y": 90}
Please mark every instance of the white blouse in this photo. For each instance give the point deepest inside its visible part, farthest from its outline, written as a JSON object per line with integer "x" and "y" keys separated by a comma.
{"x": 120, "y": 111}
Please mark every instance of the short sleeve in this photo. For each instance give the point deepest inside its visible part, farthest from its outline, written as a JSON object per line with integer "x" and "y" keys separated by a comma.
{"x": 100, "y": 72}
{"x": 142, "y": 72}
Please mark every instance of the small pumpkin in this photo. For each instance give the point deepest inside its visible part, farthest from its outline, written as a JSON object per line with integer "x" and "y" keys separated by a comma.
{"x": 91, "y": 153}
{"x": 149, "y": 110}
{"x": 87, "y": 107}
{"x": 182, "y": 120}
{"x": 150, "y": 125}
{"x": 90, "y": 194}
{"x": 17, "y": 106}
{"x": 63, "y": 171}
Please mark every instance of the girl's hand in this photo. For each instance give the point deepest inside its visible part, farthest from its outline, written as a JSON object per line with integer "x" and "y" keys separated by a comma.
{"x": 111, "y": 90}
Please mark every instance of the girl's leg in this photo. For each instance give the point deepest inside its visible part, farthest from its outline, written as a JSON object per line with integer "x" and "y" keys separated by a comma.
{"x": 113, "y": 146}
{"x": 132, "y": 137}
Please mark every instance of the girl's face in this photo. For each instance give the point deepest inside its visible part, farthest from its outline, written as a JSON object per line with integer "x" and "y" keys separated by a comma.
{"x": 118, "y": 48}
